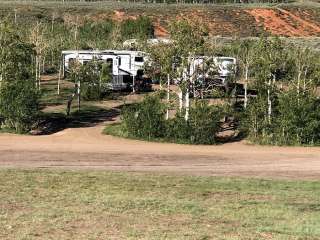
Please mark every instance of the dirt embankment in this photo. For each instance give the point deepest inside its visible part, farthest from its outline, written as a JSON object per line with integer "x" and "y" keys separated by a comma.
{"x": 240, "y": 22}
{"x": 285, "y": 23}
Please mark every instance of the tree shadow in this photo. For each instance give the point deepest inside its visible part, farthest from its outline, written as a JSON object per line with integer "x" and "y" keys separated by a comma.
{"x": 88, "y": 116}
{"x": 91, "y": 116}
{"x": 237, "y": 137}
{"x": 230, "y": 127}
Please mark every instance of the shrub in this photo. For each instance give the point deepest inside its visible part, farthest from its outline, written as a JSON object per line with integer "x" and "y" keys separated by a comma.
{"x": 18, "y": 97}
{"x": 201, "y": 127}
{"x": 295, "y": 120}
{"x": 205, "y": 122}
{"x": 145, "y": 119}
{"x": 90, "y": 78}
{"x": 19, "y": 105}
{"x": 298, "y": 120}
{"x": 254, "y": 121}
{"x": 141, "y": 27}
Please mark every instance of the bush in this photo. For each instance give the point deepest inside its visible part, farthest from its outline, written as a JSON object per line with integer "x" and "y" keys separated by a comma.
{"x": 254, "y": 121}
{"x": 145, "y": 119}
{"x": 19, "y": 105}
{"x": 18, "y": 98}
{"x": 294, "y": 121}
{"x": 93, "y": 77}
{"x": 90, "y": 92}
{"x": 201, "y": 128}
{"x": 141, "y": 27}
{"x": 298, "y": 120}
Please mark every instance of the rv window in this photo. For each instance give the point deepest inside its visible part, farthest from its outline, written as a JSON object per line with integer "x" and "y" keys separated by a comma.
{"x": 110, "y": 64}
{"x": 72, "y": 61}
{"x": 138, "y": 59}
{"x": 119, "y": 61}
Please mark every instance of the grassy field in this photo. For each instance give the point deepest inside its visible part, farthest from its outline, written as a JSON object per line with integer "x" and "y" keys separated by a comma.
{"x": 41, "y": 204}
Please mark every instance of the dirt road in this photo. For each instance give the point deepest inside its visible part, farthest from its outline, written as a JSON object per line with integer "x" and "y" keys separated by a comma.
{"x": 87, "y": 148}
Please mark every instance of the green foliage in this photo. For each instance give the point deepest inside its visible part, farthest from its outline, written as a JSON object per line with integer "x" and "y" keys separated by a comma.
{"x": 93, "y": 77}
{"x": 145, "y": 119}
{"x": 15, "y": 55}
{"x": 189, "y": 37}
{"x": 140, "y": 28}
{"x": 298, "y": 119}
{"x": 106, "y": 74}
{"x": 254, "y": 121}
{"x": 18, "y": 97}
{"x": 283, "y": 115}
{"x": 75, "y": 32}
{"x": 295, "y": 121}
{"x": 201, "y": 128}
{"x": 19, "y": 105}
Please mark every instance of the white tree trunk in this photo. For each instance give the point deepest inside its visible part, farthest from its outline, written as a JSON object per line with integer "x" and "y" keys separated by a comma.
{"x": 36, "y": 71}
{"x": 187, "y": 105}
{"x": 269, "y": 102}
{"x": 246, "y": 88}
{"x": 39, "y": 73}
{"x": 15, "y": 16}
{"x": 133, "y": 84}
{"x": 168, "y": 97}
{"x": 298, "y": 85}
{"x": 1, "y": 76}
{"x": 59, "y": 79}
{"x": 180, "y": 100}
{"x": 43, "y": 64}
{"x": 79, "y": 89}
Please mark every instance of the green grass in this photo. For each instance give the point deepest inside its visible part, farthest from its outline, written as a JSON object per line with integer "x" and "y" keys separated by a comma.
{"x": 116, "y": 129}
{"x": 43, "y": 204}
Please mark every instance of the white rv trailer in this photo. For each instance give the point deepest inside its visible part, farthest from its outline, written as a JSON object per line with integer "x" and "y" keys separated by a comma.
{"x": 210, "y": 73}
{"x": 225, "y": 66}
{"x": 127, "y": 66}
{"x": 133, "y": 43}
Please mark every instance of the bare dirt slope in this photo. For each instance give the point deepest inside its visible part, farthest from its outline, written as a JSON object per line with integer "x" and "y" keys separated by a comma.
{"x": 293, "y": 20}
{"x": 87, "y": 148}
{"x": 290, "y": 22}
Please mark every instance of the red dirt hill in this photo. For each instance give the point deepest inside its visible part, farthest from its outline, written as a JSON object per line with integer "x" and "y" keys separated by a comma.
{"x": 291, "y": 22}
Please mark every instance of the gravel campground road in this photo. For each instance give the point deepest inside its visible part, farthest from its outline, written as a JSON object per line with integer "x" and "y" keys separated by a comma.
{"x": 88, "y": 148}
